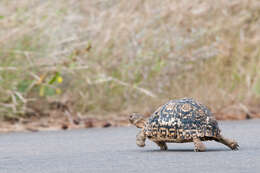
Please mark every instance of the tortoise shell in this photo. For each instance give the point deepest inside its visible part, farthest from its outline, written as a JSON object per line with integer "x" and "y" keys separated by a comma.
{"x": 180, "y": 121}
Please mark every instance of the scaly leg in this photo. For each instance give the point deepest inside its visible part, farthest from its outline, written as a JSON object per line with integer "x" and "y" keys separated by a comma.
{"x": 233, "y": 145}
{"x": 162, "y": 145}
{"x": 140, "y": 138}
{"x": 199, "y": 146}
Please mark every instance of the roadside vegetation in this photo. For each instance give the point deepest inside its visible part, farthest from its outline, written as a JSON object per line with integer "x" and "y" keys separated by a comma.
{"x": 110, "y": 57}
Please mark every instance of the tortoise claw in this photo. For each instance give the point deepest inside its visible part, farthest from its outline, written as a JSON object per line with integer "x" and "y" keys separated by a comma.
{"x": 234, "y": 146}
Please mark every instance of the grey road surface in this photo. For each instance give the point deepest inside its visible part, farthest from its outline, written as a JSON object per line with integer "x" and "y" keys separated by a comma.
{"x": 114, "y": 150}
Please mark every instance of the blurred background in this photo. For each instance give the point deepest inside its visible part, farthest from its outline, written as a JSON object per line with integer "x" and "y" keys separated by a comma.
{"x": 89, "y": 63}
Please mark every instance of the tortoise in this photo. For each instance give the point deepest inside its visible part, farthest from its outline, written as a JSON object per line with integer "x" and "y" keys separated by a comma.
{"x": 180, "y": 121}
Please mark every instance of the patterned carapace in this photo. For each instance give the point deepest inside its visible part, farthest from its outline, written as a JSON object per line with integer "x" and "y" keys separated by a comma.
{"x": 180, "y": 121}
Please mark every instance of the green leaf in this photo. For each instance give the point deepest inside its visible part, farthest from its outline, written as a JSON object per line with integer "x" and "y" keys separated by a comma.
{"x": 54, "y": 78}
{"x": 1, "y": 17}
{"x": 42, "y": 91}
{"x": 50, "y": 91}
{"x": 47, "y": 91}
{"x": 23, "y": 85}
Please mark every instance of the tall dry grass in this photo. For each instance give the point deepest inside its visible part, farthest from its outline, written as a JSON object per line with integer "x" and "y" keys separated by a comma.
{"x": 110, "y": 56}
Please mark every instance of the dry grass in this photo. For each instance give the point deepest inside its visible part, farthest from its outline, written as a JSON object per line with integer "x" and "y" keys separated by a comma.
{"x": 110, "y": 56}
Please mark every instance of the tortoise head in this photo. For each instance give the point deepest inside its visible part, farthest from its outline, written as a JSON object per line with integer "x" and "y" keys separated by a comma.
{"x": 137, "y": 120}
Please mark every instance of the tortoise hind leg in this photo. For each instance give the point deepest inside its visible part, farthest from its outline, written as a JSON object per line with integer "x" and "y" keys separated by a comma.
{"x": 198, "y": 145}
{"x": 140, "y": 138}
{"x": 233, "y": 145}
{"x": 162, "y": 145}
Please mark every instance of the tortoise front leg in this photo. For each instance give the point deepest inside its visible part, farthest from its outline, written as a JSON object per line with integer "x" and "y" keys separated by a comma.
{"x": 233, "y": 145}
{"x": 162, "y": 145}
{"x": 199, "y": 146}
{"x": 140, "y": 138}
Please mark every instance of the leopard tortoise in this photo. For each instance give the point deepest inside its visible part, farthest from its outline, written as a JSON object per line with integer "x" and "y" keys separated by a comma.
{"x": 179, "y": 121}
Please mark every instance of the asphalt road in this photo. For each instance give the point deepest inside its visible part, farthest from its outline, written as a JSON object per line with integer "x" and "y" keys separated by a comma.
{"x": 114, "y": 150}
